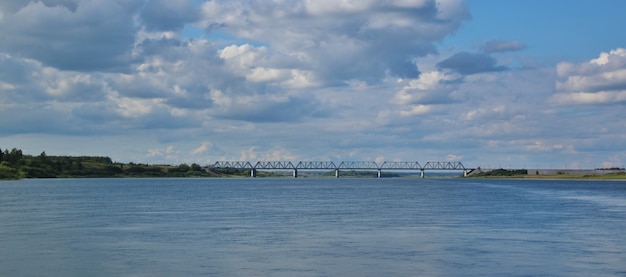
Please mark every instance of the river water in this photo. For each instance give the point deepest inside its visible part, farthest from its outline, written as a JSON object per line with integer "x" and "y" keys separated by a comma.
{"x": 312, "y": 227}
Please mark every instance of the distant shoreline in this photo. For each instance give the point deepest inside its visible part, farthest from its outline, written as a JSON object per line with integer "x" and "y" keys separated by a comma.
{"x": 556, "y": 177}
{"x": 551, "y": 174}
{"x": 15, "y": 165}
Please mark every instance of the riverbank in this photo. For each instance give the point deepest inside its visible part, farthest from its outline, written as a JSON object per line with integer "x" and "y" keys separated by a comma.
{"x": 16, "y": 165}
{"x": 552, "y": 174}
{"x": 610, "y": 176}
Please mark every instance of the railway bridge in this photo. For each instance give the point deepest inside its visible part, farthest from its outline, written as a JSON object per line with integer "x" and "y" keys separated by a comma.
{"x": 341, "y": 166}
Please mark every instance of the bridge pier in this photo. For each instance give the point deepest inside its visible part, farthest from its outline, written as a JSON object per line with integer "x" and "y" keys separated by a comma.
{"x": 253, "y": 173}
{"x": 421, "y": 173}
{"x": 464, "y": 173}
{"x": 379, "y": 173}
{"x": 295, "y": 173}
{"x": 336, "y": 173}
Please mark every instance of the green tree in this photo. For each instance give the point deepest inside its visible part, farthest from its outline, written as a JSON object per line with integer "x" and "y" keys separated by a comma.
{"x": 43, "y": 157}
{"x": 14, "y": 156}
{"x": 183, "y": 168}
{"x": 5, "y": 155}
{"x": 196, "y": 167}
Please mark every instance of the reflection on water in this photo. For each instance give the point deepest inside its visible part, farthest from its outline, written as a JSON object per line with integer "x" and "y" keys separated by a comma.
{"x": 311, "y": 227}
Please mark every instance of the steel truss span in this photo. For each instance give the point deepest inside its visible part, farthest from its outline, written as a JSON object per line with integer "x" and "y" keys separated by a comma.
{"x": 350, "y": 165}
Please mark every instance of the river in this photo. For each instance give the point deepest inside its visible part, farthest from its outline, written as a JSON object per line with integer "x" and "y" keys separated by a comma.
{"x": 312, "y": 227}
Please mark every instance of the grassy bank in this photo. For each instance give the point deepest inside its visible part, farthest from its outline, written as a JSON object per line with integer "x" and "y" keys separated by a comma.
{"x": 609, "y": 176}
{"x": 523, "y": 174}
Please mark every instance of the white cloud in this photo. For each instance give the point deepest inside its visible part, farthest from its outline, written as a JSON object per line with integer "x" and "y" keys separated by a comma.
{"x": 429, "y": 80}
{"x": 219, "y": 98}
{"x": 243, "y": 56}
{"x": 542, "y": 146}
{"x": 605, "y": 58}
{"x": 6, "y": 86}
{"x": 325, "y": 7}
{"x": 279, "y": 154}
{"x": 453, "y": 158}
{"x": 337, "y": 40}
{"x": 202, "y": 149}
{"x": 485, "y": 113}
{"x": 379, "y": 159}
{"x": 598, "y": 81}
{"x": 258, "y": 65}
{"x": 133, "y": 107}
{"x": 168, "y": 153}
{"x": 420, "y": 96}
{"x": 617, "y": 160}
{"x": 590, "y": 98}
{"x": 300, "y": 79}
{"x": 414, "y": 110}
{"x": 267, "y": 74}
{"x": 248, "y": 155}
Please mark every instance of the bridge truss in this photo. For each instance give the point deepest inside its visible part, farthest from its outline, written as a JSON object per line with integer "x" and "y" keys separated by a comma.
{"x": 329, "y": 165}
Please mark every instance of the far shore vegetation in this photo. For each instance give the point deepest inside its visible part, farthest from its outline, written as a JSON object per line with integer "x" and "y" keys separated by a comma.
{"x": 524, "y": 174}
{"x": 16, "y": 165}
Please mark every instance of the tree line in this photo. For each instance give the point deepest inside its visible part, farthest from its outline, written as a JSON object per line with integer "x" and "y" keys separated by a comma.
{"x": 14, "y": 164}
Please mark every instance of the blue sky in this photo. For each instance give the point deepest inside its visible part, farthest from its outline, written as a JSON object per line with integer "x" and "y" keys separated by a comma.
{"x": 557, "y": 29}
{"x": 488, "y": 83}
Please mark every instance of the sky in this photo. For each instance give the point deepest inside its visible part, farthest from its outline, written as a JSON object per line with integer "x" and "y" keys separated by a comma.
{"x": 490, "y": 83}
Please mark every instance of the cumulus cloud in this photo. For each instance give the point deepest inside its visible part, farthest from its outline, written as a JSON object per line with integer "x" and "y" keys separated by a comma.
{"x": 202, "y": 149}
{"x": 82, "y": 36}
{"x": 263, "y": 108}
{"x": 260, "y": 65}
{"x": 453, "y": 158}
{"x": 420, "y": 96}
{"x": 343, "y": 40}
{"x": 13, "y": 6}
{"x": 126, "y": 63}
{"x": 170, "y": 153}
{"x": 486, "y": 113}
{"x": 598, "y": 81}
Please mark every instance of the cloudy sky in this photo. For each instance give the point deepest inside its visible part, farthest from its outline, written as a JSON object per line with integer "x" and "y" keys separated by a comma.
{"x": 489, "y": 83}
